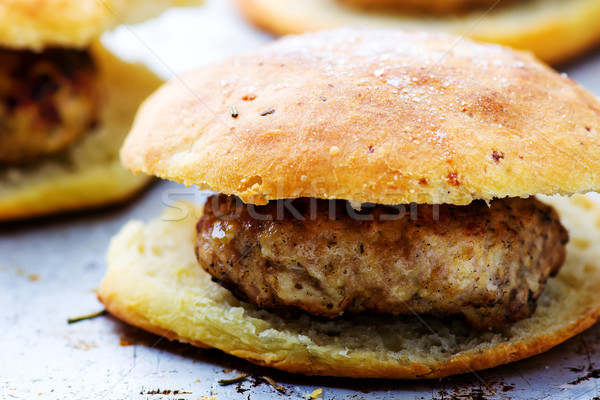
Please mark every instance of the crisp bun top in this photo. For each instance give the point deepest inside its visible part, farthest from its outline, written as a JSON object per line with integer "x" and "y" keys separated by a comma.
{"x": 384, "y": 116}
{"x": 36, "y": 24}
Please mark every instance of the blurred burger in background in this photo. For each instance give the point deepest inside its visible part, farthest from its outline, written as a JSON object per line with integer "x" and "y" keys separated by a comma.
{"x": 66, "y": 104}
{"x": 554, "y": 30}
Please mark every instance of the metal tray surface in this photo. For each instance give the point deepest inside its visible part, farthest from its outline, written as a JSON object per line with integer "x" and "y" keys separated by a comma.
{"x": 49, "y": 269}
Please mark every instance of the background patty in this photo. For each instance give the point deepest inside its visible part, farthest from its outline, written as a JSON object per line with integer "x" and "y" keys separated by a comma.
{"x": 489, "y": 264}
{"x": 427, "y": 6}
{"x": 47, "y": 101}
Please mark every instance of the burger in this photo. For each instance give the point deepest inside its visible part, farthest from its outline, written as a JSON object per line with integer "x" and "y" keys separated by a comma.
{"x": 555, "y": 30}
{"x": 66, "y": 104}
{"x": 386, "y": 205}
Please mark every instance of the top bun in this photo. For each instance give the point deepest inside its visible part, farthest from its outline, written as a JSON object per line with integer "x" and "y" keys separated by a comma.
{"x": 36, "y": 24}
{"x": 384, "y": 116}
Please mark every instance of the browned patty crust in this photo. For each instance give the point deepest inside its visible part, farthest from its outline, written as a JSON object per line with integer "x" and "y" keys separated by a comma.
{"x": 47, "y": 101}
{"x": 486, "y": 263}
{"x": 428, "y": 6}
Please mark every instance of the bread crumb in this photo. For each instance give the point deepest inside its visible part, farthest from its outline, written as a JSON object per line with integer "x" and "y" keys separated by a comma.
{"x": 124, "y": 341}
{"x": 334, "y": 150}
{"x": 316, "y": 394}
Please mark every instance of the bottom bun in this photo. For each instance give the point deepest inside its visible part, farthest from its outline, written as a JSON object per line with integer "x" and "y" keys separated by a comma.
{"x": 90, "y": 173}
{"x": 555, "y": 30}
{"x": 154, "y": 282}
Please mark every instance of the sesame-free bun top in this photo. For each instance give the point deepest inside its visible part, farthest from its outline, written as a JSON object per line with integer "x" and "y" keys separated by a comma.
{"x": 385, "y": 116}
{"x": 36, "y": 24}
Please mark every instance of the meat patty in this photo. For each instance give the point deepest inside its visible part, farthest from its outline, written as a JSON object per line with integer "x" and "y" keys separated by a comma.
{"x": 486, "y": 263}
{"x": 439, "y": 7}
{"x": 47, "y": 101}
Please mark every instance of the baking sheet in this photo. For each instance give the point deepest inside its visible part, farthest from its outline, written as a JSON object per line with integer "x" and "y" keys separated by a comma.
{"x": 50, "y": 268}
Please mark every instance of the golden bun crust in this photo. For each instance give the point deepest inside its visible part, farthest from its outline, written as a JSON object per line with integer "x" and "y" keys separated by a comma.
{"x": 153, "y": 281}
{"x": 555, "y": 30}
{"x": 36, "y": 24}
{"x": 384, "y": 116}
{"x": 90, "y": 174}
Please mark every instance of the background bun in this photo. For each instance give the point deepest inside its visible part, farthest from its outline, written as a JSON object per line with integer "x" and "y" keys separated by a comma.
{"x": 385, "y": 116}
{"x": 90, "y": 173}
{"x": 36, "y": 24}
{"x": 154, "y": 282}
{"x": 555, "y": 30}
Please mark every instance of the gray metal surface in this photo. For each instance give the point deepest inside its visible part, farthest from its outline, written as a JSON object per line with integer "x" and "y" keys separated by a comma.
{"x": 50, "y": 268}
